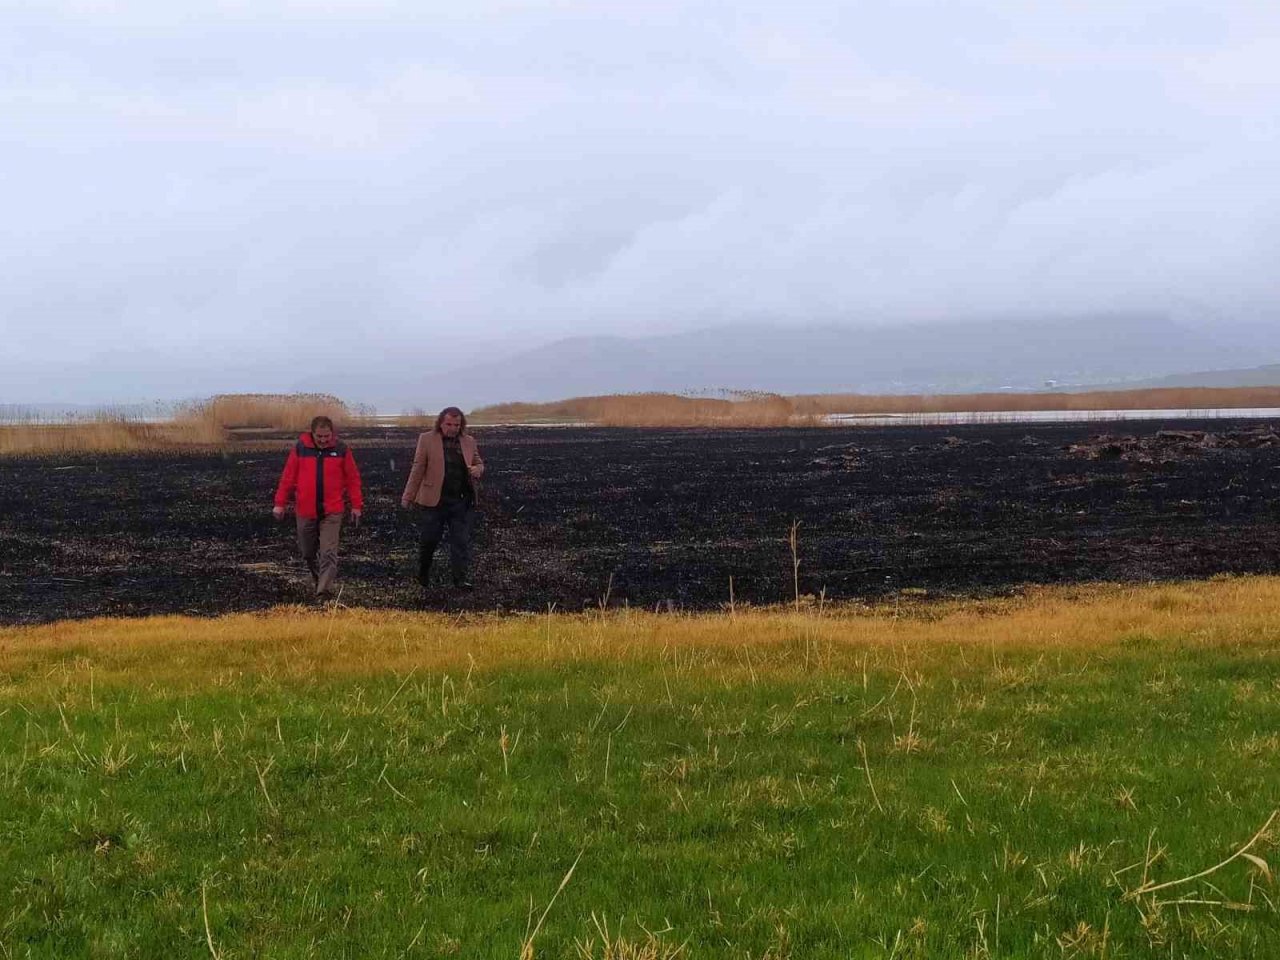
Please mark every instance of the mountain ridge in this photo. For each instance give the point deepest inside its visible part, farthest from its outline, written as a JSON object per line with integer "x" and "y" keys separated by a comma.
{"x": 1094, "y": 351}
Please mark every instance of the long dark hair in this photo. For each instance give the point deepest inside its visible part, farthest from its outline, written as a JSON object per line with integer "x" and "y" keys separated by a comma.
{"x": 452, "y": 412}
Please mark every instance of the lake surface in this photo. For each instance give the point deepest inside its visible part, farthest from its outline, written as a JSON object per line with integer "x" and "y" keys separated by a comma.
{"x": 1047, "y": 416}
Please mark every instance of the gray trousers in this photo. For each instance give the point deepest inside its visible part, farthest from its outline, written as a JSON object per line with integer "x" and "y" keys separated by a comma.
{"x": 318, "y": 541}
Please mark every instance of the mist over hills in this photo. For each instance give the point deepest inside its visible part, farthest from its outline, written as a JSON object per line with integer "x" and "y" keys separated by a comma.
{"x": 941, "y": 357}
{"x": 1080, "y": 352}
{"x": 1267, "y": 375}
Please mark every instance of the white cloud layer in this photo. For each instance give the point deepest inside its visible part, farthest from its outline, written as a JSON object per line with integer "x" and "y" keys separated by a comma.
{"x": 214, "y": 195}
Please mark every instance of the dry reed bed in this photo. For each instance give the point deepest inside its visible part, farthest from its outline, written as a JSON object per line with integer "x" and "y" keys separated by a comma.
{"x": 197, "y": 424}
{"x": 774, "y": 410}
{"x": 271, "y": 411}
{"x": 650, "y": 410}
{"x": 1230, "y": 612}
{"x": 105, "y": 434}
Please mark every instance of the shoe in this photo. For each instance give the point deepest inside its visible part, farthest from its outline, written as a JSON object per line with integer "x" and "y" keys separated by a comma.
{"x": 324, "y": 597}
{"x": 465, "y": 585}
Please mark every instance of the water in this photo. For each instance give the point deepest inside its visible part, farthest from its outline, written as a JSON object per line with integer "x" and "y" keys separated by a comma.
{"x": 1046, "y": 416}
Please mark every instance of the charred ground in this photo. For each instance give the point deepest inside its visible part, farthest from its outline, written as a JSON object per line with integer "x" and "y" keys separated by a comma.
{"x": 658, "y": 517}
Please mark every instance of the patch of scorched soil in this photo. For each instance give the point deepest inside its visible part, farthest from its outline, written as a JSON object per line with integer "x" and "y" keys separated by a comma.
{"x": 659, "y": 518}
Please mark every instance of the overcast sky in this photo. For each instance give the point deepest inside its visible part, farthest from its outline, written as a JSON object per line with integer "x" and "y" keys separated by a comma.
{"x": 200, "y": 196}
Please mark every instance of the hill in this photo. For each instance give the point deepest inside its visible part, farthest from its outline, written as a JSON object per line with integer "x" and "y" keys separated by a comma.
{"x": 950, "y": 357}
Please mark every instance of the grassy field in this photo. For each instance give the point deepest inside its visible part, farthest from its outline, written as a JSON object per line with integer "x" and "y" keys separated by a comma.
{"x": 1036, "y": 777}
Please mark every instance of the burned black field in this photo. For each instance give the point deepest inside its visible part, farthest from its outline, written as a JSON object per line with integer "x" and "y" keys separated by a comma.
{"x": 579, "y": 517}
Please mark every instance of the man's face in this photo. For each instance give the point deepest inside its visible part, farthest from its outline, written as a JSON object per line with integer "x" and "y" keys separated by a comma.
{"x": 451, "y": 425}
{"x": 323, "y": 436}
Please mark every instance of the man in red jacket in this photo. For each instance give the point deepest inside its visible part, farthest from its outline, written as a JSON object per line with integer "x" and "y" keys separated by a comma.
{"x": 322, "y": 470}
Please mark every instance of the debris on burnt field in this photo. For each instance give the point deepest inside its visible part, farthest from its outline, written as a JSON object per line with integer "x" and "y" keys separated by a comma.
{"x": 1169, "y": 445}
{"x": 579, "y": 517}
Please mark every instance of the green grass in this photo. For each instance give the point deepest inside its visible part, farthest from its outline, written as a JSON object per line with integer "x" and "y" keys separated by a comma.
{"x": 337, "y": 787}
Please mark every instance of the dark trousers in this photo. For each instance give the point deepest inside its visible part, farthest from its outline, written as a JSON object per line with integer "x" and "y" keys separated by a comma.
{"x": 458, "y": 516}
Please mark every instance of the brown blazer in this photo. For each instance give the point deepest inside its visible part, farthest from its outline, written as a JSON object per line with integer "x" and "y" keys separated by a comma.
{"x": 426, "y": 477}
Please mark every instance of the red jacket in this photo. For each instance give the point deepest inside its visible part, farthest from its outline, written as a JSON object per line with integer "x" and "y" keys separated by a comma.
{"x": 320, "y": 475}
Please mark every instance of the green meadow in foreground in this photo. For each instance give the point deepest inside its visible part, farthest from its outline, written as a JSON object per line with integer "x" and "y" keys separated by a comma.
{"x": 1037, "y": 777}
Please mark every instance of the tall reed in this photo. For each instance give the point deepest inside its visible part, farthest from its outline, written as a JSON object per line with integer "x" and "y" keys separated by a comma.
{"x": 104, "y": 432}
{"x": 278, "y": 411}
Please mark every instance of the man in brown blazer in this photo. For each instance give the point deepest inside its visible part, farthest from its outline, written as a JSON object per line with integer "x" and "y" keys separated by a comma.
{"x": 442, "y": 487}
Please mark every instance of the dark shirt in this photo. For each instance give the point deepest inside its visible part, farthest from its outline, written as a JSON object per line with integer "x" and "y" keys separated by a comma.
{"x": 457, "y": 479}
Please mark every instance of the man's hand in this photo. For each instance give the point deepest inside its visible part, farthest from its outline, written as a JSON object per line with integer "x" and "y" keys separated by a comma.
{"x": 404, "y": 504}
{"x": 476, "y": 470}
{"x": 278, "y": 513}
{"x": 355, "y": 518}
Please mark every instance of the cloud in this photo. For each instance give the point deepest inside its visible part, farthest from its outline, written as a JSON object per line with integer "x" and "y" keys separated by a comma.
{"x": 230, "y": 189}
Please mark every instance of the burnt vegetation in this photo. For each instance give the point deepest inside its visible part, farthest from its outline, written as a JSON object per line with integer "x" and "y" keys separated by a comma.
{"x": 580, "y": 517}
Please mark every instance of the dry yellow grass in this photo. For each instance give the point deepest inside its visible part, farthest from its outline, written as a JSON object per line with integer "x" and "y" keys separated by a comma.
{"x": 771, "y": 410}
{"x": 288, "y": 641}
